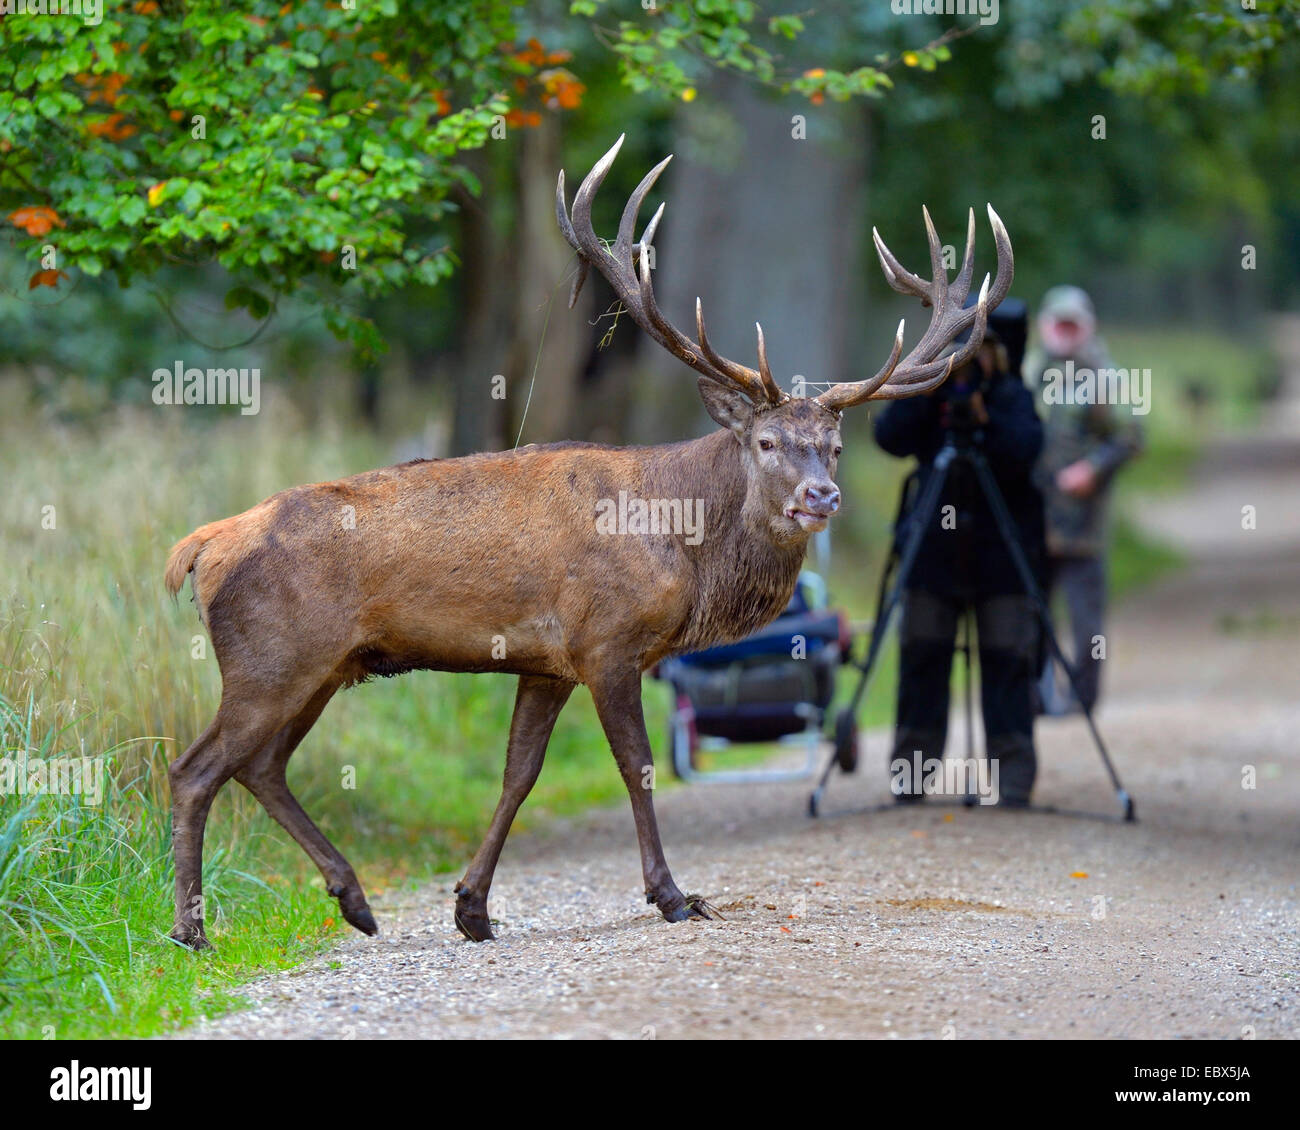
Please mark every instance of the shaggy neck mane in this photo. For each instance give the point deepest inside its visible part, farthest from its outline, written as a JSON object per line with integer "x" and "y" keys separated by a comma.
{"x": 744, "y": 579}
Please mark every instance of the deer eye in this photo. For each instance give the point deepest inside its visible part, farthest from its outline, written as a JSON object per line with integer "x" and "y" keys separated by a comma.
{"x": 765, "y": 445}
{"x": 836, "y": 451}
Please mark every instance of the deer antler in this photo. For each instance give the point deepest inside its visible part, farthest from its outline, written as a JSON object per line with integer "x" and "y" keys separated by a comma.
{"x": 920, "y": 371}
{"x": 619, "y": 266}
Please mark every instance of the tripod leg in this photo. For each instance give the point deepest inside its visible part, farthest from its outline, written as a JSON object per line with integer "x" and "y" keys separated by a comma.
{"x": 1007, "y": 530}
{"x": 969, "y": 799}
{"x": 927, "y": 505}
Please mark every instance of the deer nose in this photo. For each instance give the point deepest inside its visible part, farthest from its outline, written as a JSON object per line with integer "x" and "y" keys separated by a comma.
{"x": 821, "y": 498}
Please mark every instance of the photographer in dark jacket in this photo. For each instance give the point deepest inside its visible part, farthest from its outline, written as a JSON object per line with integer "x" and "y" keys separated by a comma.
{"x": 964, "y": 563}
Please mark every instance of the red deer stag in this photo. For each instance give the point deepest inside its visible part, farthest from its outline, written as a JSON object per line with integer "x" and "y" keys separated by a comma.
{"x": 505, "y": 562}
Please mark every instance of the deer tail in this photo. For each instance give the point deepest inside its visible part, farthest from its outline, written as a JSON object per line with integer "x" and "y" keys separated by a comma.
{"x": 181, "y": 560}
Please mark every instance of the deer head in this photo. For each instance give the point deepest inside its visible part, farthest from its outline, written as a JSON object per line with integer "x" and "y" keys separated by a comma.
{"x": 790, "y": 445}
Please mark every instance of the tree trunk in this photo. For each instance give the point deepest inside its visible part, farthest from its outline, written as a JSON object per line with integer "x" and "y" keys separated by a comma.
{"x": 549, "y": 342}
{"x": 478, "y": 421}
{"x": 765, "y": 227}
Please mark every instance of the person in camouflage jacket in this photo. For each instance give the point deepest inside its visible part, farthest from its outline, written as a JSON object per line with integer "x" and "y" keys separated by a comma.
{"x": 1084, "y": 445}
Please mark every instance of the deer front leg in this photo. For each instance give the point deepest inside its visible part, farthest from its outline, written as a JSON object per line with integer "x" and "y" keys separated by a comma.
{"x": 618, "y": 704}
{"x": 538, "y": 703}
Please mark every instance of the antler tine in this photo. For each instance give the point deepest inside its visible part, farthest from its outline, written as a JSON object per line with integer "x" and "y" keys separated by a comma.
{"x": 750, "y": 381}
{"x": 900, "y": 392}
{"x": 898, "y": 276}
{"x": 562, "y": 214}
{"x": 938, "y": 289}
{"x": 1006, "y": 260}
{"x": 887, "y": 369}
{"x": 571, "y": 237}
{"x": 961, "y": 284}
{"x": 921, "y": 371}
{"x": 648, "y": 236}
{"x": 772, "y": 389}
{"x": 585, "y": 239}
{"x": 627, "y": 224}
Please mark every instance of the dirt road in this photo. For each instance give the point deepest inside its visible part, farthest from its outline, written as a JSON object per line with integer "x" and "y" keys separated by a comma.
{"x": 935, "y": 921}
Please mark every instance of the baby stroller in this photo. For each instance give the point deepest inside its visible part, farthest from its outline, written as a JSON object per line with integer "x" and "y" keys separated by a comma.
{"x": 775, "y": 684}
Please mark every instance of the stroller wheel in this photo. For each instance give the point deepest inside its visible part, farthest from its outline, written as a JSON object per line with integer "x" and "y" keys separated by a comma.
{"x": 846, "y": 741}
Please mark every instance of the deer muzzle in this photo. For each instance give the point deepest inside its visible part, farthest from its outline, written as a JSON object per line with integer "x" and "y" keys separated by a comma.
{"x": 814, "y": 503}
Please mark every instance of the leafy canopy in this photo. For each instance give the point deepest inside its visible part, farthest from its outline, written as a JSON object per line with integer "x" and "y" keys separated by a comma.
{"x": 309, "y": 147}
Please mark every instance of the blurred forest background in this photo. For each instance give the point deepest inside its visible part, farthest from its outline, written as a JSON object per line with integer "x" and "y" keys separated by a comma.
{"x": 1148, "y": 153}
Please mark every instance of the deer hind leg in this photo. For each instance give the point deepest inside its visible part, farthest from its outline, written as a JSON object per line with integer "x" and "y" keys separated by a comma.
{"x": 235, "y": 735}
{"x": 538, "y": 703}
{"x": 618, "y": 704}
{"x": 264, "y": 777}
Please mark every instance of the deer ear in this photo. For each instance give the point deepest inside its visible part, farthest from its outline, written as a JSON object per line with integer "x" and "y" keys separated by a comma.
{"x": 727, "y": 406}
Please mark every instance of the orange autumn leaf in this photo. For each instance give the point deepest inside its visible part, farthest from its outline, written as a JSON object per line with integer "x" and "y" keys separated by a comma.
{"x": 45, "y": 278}
{"x": 444, "y": 107}
{"x": 176, "y": 115}
{"x": 816, "y": 72}
{"x": 115, "y": 127}
{"x": 817, "y": 98}
{"x": 523, "y": 119}
{"x": 329, "y": 922}
{"x": 1078, "y": 874}
{"x": 146, "y": 7}
{"x": 35, "y": 219}
{"x": 534, "y": 55}
{"x": 102, "y": 88}
{"x": 562, "y": 90}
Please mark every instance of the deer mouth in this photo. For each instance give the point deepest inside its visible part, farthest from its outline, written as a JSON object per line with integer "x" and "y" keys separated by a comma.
{"x": 807, "y": 519}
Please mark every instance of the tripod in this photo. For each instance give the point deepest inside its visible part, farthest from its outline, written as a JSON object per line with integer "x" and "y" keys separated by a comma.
{"x": 959, "y": 448}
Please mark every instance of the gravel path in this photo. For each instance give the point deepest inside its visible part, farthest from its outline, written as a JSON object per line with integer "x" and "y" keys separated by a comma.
{"x": 933, "y": 922}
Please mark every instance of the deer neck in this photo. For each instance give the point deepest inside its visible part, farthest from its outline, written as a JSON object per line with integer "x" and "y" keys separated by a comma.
{"x": 744, "y": 577}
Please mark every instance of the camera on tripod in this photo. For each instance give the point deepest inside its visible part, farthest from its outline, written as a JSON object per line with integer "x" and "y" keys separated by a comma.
{"x": 962, "y": 412}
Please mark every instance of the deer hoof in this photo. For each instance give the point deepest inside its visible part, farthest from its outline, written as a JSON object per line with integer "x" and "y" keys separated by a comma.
{"x": 474, "y": 925}
{"x": 362, "y": 919}
{"x": 191, "y": 937}
{"x": 691, "y": 906}
{"x": 355, "y": 909}
{"x": 357, "y": 912}
{"x": 471, "y": 915}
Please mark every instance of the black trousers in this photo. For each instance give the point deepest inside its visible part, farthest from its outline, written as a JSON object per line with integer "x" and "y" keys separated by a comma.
{"x": 1008, "y": 636}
